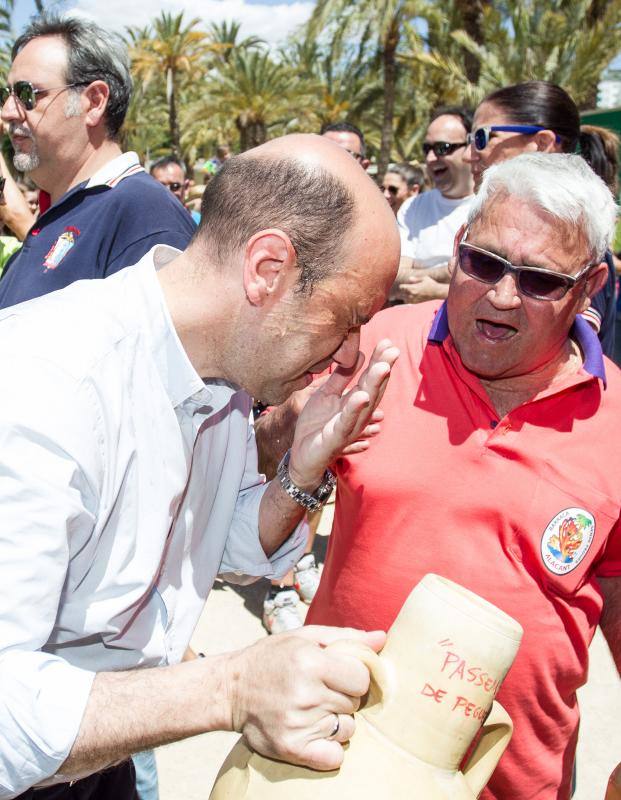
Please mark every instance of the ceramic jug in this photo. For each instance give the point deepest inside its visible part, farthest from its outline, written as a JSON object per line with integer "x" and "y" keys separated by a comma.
{"x": 432, "y": 691}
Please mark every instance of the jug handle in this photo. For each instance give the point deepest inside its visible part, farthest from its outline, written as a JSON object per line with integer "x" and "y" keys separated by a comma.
{"x": 495, "y": 736}
{"x": 378, "y": 688}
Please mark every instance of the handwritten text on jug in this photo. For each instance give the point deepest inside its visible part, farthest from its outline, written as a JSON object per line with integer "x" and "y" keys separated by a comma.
{"x": 456, "y": 668}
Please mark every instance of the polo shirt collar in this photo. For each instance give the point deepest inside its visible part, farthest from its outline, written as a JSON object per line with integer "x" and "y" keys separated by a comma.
{"x": 581, "y": 331}
{"x": 108, "y": 176}
{"x": 114, "y": 171}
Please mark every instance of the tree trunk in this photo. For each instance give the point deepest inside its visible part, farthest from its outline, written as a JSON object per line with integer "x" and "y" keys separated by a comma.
{"x": 257, "y": 133}
{"x": 471, "y": 12}
{"x": 389, "y": 65}
{"x": 173, "y": 121}
{"x": 594, "y": 15}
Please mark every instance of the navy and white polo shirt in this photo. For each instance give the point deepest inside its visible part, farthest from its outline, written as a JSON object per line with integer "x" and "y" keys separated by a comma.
{"x": 96, "y": 229}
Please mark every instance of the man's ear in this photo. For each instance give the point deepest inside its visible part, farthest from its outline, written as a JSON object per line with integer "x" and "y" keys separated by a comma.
{"x": 458, "y": 237}
{"x": 545, "y": 141}
{"x": 96, "y": 94}
{"x": 269, "y": 262}
{"x": 594, "y": 283}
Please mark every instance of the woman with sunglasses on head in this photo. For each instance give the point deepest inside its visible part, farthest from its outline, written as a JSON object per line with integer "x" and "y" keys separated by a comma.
{"x": 536, "y": 116}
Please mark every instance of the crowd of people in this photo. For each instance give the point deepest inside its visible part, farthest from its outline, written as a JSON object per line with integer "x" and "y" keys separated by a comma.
{"x": 435, "y": 347}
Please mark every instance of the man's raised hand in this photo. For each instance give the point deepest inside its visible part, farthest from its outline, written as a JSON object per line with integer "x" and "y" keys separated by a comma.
{"x": 337, "y": 422}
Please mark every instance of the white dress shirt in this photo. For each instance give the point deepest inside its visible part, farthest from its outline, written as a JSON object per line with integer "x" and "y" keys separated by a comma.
{"x": 126, "y": 485}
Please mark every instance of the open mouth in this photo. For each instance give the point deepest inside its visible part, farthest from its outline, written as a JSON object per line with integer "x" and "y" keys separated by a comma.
{"x": 438, "y": 171}
{"x": 495, "y": 331}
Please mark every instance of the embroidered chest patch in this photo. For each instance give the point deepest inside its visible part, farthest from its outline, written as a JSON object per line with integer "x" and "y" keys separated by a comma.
{"x": 566, "y": 540}
{"x": 61, "y": 247}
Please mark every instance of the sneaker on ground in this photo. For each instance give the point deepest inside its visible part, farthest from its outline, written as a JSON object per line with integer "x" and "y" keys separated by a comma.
{"x": 306, "y": 577}
{"x": 280, "y": 612}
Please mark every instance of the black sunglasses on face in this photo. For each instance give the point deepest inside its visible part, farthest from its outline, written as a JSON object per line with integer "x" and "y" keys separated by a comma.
{"x": 357, "y": 156}
{"x": 391, "y": 190}
{"x": 541, "y": 284}
{"x": 442, "y": 148}
{"x": 174, "y": 187}
{"x": 26, "y": 94}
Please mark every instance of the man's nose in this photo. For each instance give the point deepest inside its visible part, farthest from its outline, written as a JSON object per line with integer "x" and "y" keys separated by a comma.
{"x": 430, "y": 157}
{"x": 347, "y": 353}
{"x": 470, "y": 153}
{"x": 11, "y": 109}
{"x": 505, "y": 294}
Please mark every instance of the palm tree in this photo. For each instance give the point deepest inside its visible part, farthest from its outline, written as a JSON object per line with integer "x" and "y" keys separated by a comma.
{"x": 6, "y": 35}
{"x": 568, "y": 42}
{"x": 253, "y": 93}
{"x": 224, "y": 37}
{"x": 383, "y": 22}
{"x": 174, "y": 52}
{"x": 342, "y": 89}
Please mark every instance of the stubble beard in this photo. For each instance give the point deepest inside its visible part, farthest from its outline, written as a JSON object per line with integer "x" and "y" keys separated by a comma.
{"x": 27, "y": 162}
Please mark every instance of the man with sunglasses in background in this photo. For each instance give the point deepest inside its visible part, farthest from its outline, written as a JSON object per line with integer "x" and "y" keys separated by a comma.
{"x": 498, "y": 464}
{"x": 432, "y": 219}
{"x": 67, "y": 93}
{"x": 349, "y": 137}
{"x": 170, "y": 172}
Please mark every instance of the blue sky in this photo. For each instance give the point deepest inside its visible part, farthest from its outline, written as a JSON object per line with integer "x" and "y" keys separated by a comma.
{"x": 271, "y": 26}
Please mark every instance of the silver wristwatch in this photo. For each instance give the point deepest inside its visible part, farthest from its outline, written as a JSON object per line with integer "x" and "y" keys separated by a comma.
{"x": 312, "y": 502}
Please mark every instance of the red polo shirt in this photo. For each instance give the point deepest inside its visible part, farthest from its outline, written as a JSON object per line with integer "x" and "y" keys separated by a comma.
{"x": 523, "y": 510}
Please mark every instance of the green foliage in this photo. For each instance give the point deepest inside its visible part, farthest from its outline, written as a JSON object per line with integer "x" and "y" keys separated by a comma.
{"x": 381, "y": 64}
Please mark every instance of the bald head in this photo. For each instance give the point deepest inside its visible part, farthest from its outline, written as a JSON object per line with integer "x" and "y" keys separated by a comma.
{"x": 306, "y": 186}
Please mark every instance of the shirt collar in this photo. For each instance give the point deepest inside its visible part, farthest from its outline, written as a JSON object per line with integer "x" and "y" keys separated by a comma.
{"x": 114, "y": 171}
{"x": 581, "y": 331}
{"x": 109, "y": 175}
{"x": 180, "y": 379}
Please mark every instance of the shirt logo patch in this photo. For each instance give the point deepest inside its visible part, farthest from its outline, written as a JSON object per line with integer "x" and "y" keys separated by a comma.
{"x": 566, "y": 540}
{"x": 61, "y": 247}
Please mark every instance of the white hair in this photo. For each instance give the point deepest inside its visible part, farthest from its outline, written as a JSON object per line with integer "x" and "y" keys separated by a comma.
{"x": 562, "y": 185}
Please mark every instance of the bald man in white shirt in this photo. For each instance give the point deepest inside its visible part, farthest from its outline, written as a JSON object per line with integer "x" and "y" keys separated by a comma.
{"x": 129, "y": 476}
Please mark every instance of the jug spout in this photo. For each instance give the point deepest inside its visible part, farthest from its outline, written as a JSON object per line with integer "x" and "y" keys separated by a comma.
{"x": 445, "y": 658}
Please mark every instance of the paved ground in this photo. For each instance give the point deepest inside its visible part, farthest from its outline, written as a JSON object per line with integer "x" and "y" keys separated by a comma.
{"x": 232, "y": 619}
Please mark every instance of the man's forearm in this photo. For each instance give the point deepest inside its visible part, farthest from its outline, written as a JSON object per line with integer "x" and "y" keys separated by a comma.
{"x": 274, "y": 432}
{"x": 439, "y": 273}
{"x": 132, "y": 711}
{"x": 279, "y": 515}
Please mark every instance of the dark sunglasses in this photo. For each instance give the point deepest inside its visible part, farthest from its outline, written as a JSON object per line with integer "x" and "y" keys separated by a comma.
{"x": 442, "y": 148}
{"x": 357, "y": 156}
{"x": 391, "y": 190}
{"x": 174, "y": 187}
{"x": 541, "y": 284}
{"x": 26, "y": 94}
{"x": 481, "y": 136}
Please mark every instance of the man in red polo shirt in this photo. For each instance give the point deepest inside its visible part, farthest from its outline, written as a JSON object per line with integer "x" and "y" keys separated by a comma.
{"x": 499, "y": 464}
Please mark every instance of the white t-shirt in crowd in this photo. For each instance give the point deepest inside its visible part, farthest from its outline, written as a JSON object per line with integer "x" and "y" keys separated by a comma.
{"x": 428, "y": 226}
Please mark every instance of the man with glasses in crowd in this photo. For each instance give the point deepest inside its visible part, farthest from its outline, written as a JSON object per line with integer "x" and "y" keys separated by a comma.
{"x": 67, "y": 93}
{"x": 429, "y": 225}
{"x": 350, "y": 138}
{"x": 486, "y": 470}
{"x": 170, "y": 172}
